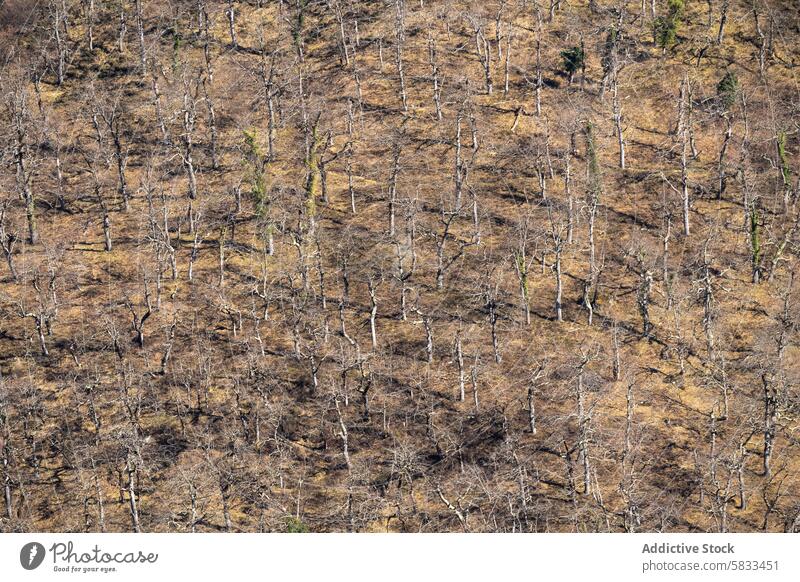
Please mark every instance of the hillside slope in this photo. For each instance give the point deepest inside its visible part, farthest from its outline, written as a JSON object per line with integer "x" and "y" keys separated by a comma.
{"x": 399, "y": 266}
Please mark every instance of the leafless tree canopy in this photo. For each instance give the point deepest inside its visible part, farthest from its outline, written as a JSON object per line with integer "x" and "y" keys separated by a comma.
{"x": 407, "y": 265}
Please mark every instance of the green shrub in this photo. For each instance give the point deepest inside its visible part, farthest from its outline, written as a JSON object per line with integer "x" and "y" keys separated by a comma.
{"x": 728, "y": 90}
{"x": 675, "y": 9}
{"x": 256, "y": 161}
{"x": 665, "y": 28}
{"x": 177, "y": 44}
{"x": 665, "y": 32}
{"x": 573, "y": 60}
{"x": 295, "y": 525}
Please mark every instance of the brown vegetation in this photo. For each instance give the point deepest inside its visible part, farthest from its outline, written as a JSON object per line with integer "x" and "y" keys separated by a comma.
{"x": 341, "y": 265}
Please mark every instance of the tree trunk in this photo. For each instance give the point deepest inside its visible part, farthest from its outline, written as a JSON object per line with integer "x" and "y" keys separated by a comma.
{"x": 134, "y": 510}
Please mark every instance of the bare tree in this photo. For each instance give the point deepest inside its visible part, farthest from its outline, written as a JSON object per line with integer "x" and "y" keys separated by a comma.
{"x": 20, "y": 118}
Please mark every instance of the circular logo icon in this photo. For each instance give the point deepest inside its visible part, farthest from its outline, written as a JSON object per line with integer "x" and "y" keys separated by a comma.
{"x": 31, "y": 555}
